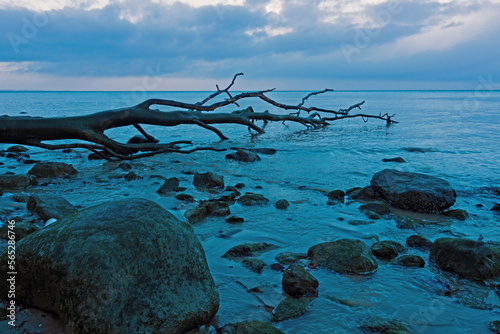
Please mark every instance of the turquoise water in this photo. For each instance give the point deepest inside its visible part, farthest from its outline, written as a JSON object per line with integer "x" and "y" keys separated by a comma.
{"x": 456, "y": 134}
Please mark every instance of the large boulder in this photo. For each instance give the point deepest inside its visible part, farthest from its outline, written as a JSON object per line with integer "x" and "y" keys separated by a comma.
{"x": 127, "y": 266}
{"x": 47, "y": 206}
{"x": 413, "y": 191}
{"x": 52, "y": 169}
{"x": 467, "y": 258}
{"x": 345, "y": 256}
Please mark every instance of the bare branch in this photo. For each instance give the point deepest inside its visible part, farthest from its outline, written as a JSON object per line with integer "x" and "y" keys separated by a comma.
{"x": 220, "y": 91}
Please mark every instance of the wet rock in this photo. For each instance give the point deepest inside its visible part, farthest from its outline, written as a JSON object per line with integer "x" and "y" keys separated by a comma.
{"x": 131, "y": 176}
{"x": 208, "y": 180}
{"x": 381, "y": 325}
{"x": 17, "y": 181}
{"x": 125, "y": 166}
{"x": 336, "y": 195}
{"x": 282, "y": 204}
{"x": 467, "y": 258}
{"x": 228, "y": 196}
{"x": 250, "y": 199}
{"x": 496, "y": 207}
{"x": 409, "y": 261}
{"x": 17, "y": 149}
{"x": 249, "y": 250}
{"x": 250, "y": 327}
{"x": 233, "y": 189}
{"x": 419, "y": 242}
{"x": 139, "y": 139}
{"x": 277, "y": 267}
{"x": 21, "y": 198}
{"x": 216, "y": 208}
{"x": 96, "y": 156}
{"x": 243, "y": 155}
{"x": 254, "y": 264}
{"x": 48, "y": 206}
{"x": 239, "y": 186}
{"x": 287, "y": 258}
{"x": 299, "y": 282}
{"x": 363, "y": 194}
{"x": 290, "y": 308}
{"x": 196, "y": 215}
{"x": 356, "y": 222}
{"x": 185, "y": 197}
{"x": 345, "y": 256}
{"x": 458, "y": 214}
{"x": 21, "y": 230}
{"x": 170, "y": 186}
{"x": 407, "y": 223}
{"x": 268, "y": 151}
{"x": 413, "y": 191}
{"x": 234, "y": 220}
{"x": 52, "y": 169}
{"x": 396, "y": 159}
{"x": 378, "y": 207}
{"x": 387, "y": 249}
{"x": 495, "y": 326}
{"x": 96, "y": 268}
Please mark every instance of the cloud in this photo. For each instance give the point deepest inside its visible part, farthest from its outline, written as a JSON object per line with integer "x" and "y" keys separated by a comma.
{"x": 269, "y": 39}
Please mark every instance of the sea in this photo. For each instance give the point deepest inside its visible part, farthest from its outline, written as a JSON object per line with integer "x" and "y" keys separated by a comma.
{"x": 453, "y": 135}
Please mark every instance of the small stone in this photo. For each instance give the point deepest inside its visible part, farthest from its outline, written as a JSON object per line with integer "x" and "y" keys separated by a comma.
{"x": 250, "y": 327}
{"x": 233, "y": 189}
{"x": 360, "y": 222}
{"x": 254, "y": 264}
{"x": 196, "y": 215}
{"x": 397, "y": 159}
{"x": 407, "y": 223}
{"x": 96, "y": 156}
{"x": 208, "y": 180}
{"x": 185, "y": 197}
{"x": 381, "y": 325}
{"x": 287, "y": 258}
{"x": 387, "y": 249}
{"x": 48, "y": 206}
{"x": 125, "y": 166}
{"x": 234, "y": 220}
{"x": 336, "y": 195}
{"x": 496, "y": 207}
{"x": 363, "y": 194}
{"x": 216, "y": 208}
{"x": 290, "y": 308}
{"x": 17, "y": 149}
{"x": 52, "y": 169}
{"x": 239, "y": 185}
{"x": 282, "y": 204}
{"x": 170, "y": 185}
{"x": 67, "y": 150}
{"x": 378, "y": 207}
{"x": 227, "y": 196}
{"x": 298, "y": 282}
{"x": 130, "y": 176}
{"x": 495, "y": 326}
{"x": 409, "y": 261}
{"x": 419, "y": 242}
{"x": 458, "y": 214}
{"x": 250, "y": 199}
{"x": 277, "y": 267}
{"x": 243, "y": 156}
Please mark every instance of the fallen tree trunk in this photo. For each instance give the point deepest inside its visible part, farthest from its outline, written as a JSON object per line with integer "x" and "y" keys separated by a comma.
{"x": 35, "y": 131}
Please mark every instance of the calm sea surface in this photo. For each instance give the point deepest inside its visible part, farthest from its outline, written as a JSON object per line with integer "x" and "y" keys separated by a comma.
{"x": 454, "y": 135}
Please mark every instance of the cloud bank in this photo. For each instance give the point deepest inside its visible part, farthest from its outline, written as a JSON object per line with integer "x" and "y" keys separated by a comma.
{"x": 374, "y": 44}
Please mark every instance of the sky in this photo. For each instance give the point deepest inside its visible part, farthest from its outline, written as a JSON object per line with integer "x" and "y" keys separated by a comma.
{"x": 154, "y": 45}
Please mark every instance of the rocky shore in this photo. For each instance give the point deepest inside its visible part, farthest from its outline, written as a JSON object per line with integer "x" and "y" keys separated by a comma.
{"x": 122, "y": 263}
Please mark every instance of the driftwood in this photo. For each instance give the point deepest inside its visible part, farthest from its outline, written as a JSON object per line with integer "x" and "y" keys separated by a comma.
{"x": 89, "y": 129}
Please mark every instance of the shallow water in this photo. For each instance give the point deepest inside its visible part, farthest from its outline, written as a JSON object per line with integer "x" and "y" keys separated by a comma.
{"x": 453, "y": 135}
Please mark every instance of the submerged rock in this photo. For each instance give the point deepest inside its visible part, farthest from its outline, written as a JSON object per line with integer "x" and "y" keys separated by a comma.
{"x": 290, "y": 308}
{"x": 249, "y": 250}
{"x": 495, "y": 326}
{"x": 48, "y": 206}
{"x": 409, "y": 261}
{"x": 185, "y": 197}
{"x": 234, "y": 220}
{"x": 196, "y": 215}
{"x": 417, "y": 241}
{"x": 250, "y": 327}
{"x": 345, "y": 256}
{"x": 363, "y": 194}
{"x": 170, "y": 185}
{"x": 127, "y": 266}
{"x": 287, "y": 258}
{"x": 496, "y": 207}
{"x": 243, "y": 155}
{"x": 387, "y": 249}
{"x": 467, "y": 258}
{"x": 458, "y": 214}
{"x": 17, "y": 181}
{"x": 381, "y": 325}
{"x": 299, "y": 282}
{"x": 336, "y": 195}
{"x": 216, "y": 208}
{"x": 378, "y": 207}
{"x": 282, "y": 204}
{"x": 21, "y": 230}
{"x": 413, "y": 191}
{"x": 396, "y": 159}
{"x": 131, "y": 176}
{"x": 17, "y": 149}
{"x": 208, "y": 180}
{"x": 250, "y": 199}
{"x": 254, "y": 264}
{"x": 52, "y": 169}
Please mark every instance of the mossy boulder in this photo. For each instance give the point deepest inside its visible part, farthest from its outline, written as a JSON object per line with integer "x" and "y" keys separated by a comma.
{"x": 196, "y": 215}
{"x": 298, "y": 282}
{"x": 419, "y": 242}
{"x": 48, "y": 206}
{"x": 345, "y": 256}
{"x": 52, "y": 169}
{"x": 127, "y": 266}
{"x": 467, "y": 258}
{"x": 413, "y": 191}
{"x": 387, "y": 249}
